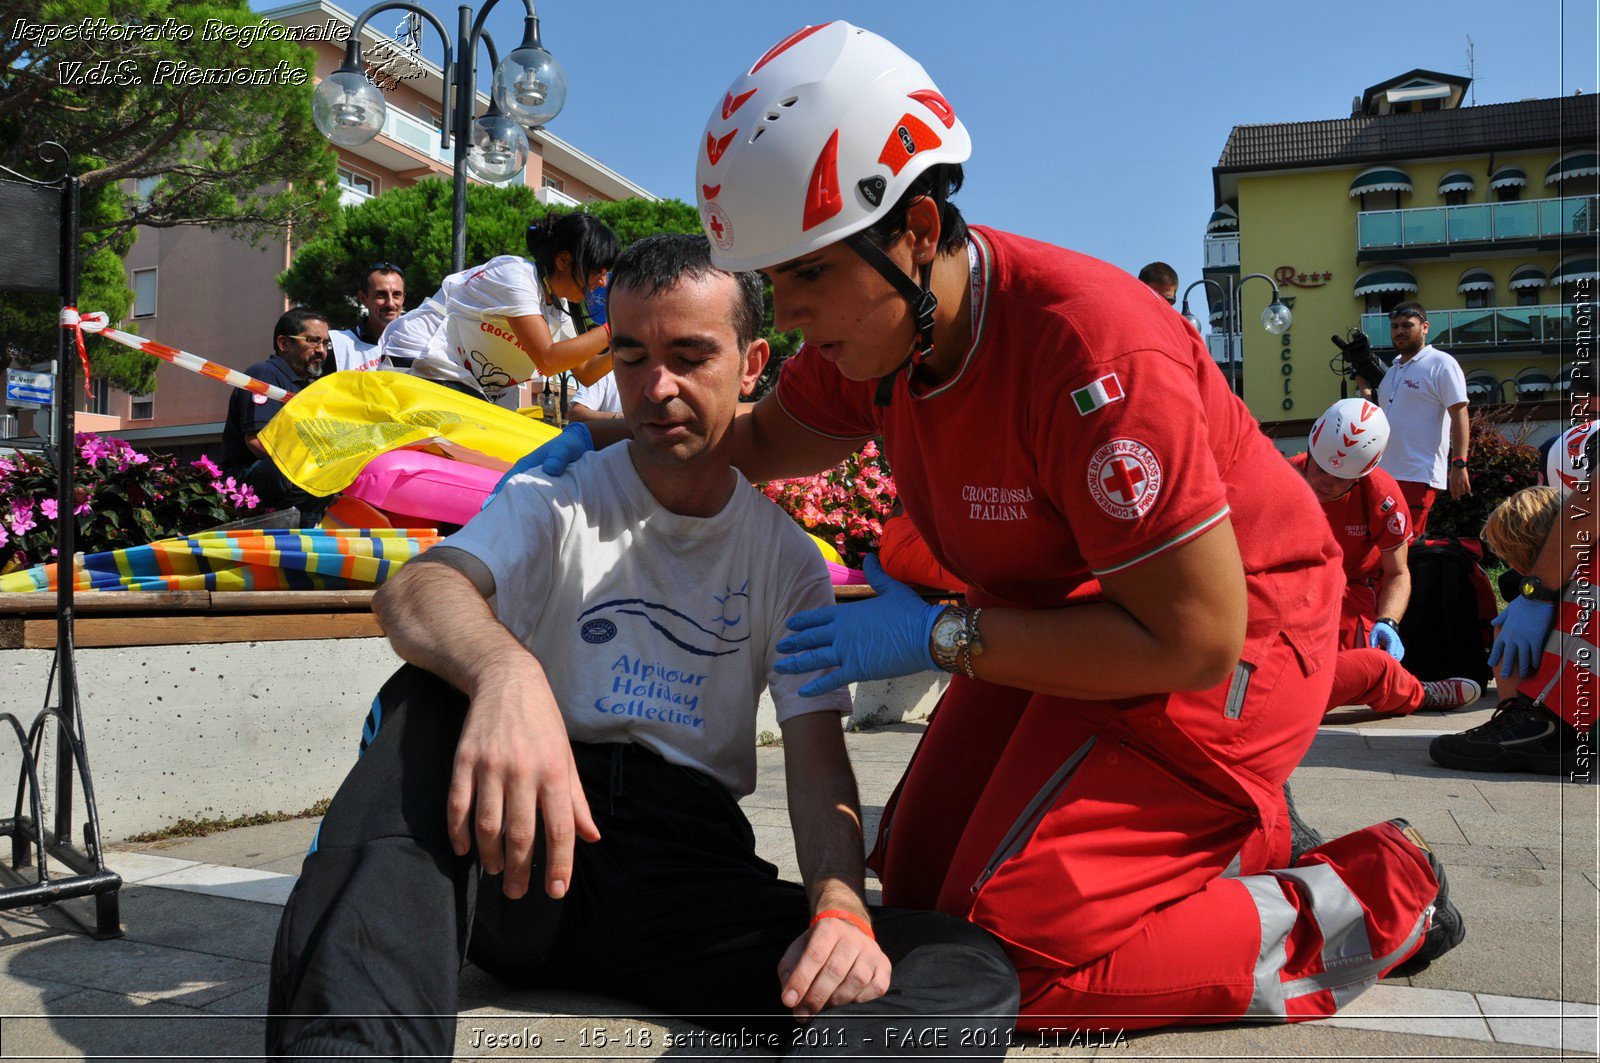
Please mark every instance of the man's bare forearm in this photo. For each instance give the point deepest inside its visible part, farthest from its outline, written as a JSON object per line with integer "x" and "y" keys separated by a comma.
{"x": 438, "y": 619}
{"x": 825, "y": 813}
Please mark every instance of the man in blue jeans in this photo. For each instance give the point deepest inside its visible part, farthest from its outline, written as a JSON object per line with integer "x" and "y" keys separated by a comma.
{"x": 578, "y": 711}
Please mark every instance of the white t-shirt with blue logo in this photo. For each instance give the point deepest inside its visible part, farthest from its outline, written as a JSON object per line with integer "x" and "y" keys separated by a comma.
{"x": 653, "y": 627}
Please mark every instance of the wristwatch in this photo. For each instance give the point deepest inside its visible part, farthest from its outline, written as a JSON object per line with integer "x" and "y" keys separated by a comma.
{"x": 955, "y": 640}
{"x": 1391, "y": 621}
{"x": 1534, "y": 590}
{"x": 1458, "y": 463}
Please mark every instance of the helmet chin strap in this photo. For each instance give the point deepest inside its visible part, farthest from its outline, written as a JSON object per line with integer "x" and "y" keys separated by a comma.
{"x": 921, "y": 298}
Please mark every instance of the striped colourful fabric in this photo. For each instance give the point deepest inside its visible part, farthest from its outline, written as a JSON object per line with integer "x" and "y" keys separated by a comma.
{"x": 258, "y": 560}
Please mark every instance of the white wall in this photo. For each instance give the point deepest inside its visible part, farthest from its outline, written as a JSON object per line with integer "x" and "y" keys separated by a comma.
{"x": 232, "y": 729}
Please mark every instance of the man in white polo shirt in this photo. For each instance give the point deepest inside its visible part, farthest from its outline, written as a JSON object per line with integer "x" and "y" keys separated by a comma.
{"x": 596, "y": 402}
{"x": 1424, "y": 395}
{"x": 383, "y": 297}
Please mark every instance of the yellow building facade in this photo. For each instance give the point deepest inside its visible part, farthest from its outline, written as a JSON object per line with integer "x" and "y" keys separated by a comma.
{"x": 1485, "y": 215}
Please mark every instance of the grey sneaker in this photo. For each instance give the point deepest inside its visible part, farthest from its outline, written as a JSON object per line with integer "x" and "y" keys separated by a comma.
{"x": 1446, "y": 926}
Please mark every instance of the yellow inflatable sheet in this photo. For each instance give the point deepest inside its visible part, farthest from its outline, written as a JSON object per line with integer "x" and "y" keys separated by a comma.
{"x": 325, "y": 435}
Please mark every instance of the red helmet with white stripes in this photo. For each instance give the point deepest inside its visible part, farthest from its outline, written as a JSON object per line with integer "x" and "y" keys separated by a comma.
{"x": 1349, "y": 438}
{"x": 824, "y": 131}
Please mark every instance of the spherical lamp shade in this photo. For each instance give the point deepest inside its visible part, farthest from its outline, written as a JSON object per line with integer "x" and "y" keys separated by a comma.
{"x": 1276, "y": 318}
{"x": 348, "y": 108}
{"x": 530, "y": 86}
{"x": 1193, "y": 321}
{"x": 499, "y": 149}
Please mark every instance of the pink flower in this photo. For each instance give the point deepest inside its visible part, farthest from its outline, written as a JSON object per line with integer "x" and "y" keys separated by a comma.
{"x": 208, "y": 465}
{"x": 47, "y": 506}
{"x": 93, "y": 448}
{"x": 870, "y": 450}
{"x": 22, "y": 520}
{"x": 4, "y": 538}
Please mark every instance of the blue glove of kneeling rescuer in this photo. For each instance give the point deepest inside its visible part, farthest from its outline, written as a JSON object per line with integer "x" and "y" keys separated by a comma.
{"x": 1524, "y": 626}
{"x": 551, "y": 458}
{"x": 1384, "y": 637}
{"x": 879, "y": 638}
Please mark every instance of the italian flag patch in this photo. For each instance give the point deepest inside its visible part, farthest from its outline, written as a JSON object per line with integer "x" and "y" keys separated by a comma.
{"x": 1100, "y": 393}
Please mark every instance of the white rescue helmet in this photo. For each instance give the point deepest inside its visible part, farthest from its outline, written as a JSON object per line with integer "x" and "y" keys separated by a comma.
{"x": 824, "y": 131}
{"x": 1567, "y": 464}
{"x": 1348, "y": 439}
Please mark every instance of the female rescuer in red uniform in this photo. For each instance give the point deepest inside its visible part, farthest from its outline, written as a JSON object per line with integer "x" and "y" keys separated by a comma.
{"x": 1102, "y": 785}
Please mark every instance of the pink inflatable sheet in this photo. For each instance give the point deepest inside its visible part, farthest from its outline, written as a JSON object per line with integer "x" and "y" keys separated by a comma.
{"x": 423, "y": 486}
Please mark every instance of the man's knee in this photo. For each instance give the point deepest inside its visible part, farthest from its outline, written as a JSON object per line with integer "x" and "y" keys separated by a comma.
{"x": 963, "y": 964}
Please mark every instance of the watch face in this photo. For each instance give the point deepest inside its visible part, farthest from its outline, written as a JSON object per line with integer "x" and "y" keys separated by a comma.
{"x": 946, "y": 630}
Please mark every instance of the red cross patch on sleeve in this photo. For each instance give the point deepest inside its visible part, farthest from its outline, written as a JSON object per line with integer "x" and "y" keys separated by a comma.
{"x": 1125, "y": 478}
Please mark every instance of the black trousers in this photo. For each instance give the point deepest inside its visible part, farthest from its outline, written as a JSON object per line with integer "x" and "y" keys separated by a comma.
{"x": 277, "y": 492}
{"x": 672, "y": 908}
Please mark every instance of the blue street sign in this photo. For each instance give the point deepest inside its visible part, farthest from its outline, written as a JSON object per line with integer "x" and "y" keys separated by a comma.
{"x": 24, "y": 388}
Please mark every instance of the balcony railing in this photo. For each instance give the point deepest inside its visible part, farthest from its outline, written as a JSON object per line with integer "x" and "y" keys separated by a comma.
{"x": 1222, "y": 252}
{"x": 352, "y": 197}
{"x": 1476, "y": 223}
{"x": 414, "y": 133}
{"x": 554, "y": 197}
{"x": 1487, "y": 326}
{"x": 1217, "y": 344}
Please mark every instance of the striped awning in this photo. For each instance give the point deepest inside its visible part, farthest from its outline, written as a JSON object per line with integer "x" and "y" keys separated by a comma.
{"x": 1476, "y": 279}
{"x": 1509, "y": 177}
{"x": 1526, "y": 277}
{"x": 1380, "y": 179}
{"x": 1576, "y": 268}
{"x": 1223, "y": 219}
{"x": 1385, "y": 279}
{"x": 1573, "y": 164}
{"x": 1456, "y": 181}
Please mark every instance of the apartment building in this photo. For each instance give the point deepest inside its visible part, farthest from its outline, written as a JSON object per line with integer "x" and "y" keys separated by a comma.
{"x": 1487, "y": 215}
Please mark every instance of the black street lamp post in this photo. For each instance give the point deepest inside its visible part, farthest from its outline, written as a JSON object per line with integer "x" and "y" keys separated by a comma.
{"x": 530, "y": 89}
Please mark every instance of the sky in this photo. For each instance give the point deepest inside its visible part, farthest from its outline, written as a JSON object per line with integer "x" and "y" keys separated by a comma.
{"x": 1094, "y": 125}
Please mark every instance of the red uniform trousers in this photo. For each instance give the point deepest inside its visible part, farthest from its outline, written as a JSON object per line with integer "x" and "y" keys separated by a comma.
{"x": 1365, "y": 676}
{"x": 1123, "y": 851}
{"x": 1419, "y": 499}
{"x": 1565, "y": 682}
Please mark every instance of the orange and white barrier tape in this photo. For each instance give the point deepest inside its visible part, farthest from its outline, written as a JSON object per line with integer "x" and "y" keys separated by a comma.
{"x": 99, "y": 323}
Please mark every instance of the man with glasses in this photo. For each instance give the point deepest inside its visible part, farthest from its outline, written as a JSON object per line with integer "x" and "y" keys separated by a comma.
{"x": 382, "y": 299}
{"x": 1425, "y": 396}
{"x": 301, "y": 344}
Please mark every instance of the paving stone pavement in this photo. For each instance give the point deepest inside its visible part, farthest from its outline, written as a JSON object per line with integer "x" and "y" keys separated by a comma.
{"x": 189, "y": 976}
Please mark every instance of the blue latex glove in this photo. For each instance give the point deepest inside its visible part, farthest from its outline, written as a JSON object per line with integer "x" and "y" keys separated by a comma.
{"x": 595, "y": 302}
{"x": 879, "y": 638}
{"x": 1385, "y": 637}
{"x": 552, "y": 458}
{"x": 1524, "y": 627}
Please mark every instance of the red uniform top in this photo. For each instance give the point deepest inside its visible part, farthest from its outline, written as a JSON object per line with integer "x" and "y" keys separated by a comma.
{"x": 1087, "y": 430}
{"x": 1371, "y": 519}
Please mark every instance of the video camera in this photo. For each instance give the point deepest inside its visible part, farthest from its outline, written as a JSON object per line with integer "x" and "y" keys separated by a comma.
{"x": 1355, "y": 358}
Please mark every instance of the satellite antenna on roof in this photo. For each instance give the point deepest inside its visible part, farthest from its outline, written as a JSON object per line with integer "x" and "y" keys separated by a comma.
{"x": 1472, "y": 70}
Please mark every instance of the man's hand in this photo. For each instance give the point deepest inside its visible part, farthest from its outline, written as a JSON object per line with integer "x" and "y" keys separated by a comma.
{"x": 879, "y": 638}
{"x": 552, "y": 458}
{"x": 513, "y": 764}
{"x": 1460, "y": 483}
{"x": 832, "y": 964}
{"x": 1384, "y": 637}
{"x": 1519, "y": 644}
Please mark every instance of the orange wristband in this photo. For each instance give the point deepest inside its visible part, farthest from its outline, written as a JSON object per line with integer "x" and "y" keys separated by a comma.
{"x": 850, "y": 917}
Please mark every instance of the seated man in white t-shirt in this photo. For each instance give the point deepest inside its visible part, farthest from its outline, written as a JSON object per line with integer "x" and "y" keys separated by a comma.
{"x": 579, "y": 712}
{"x": 596, "y": 402}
